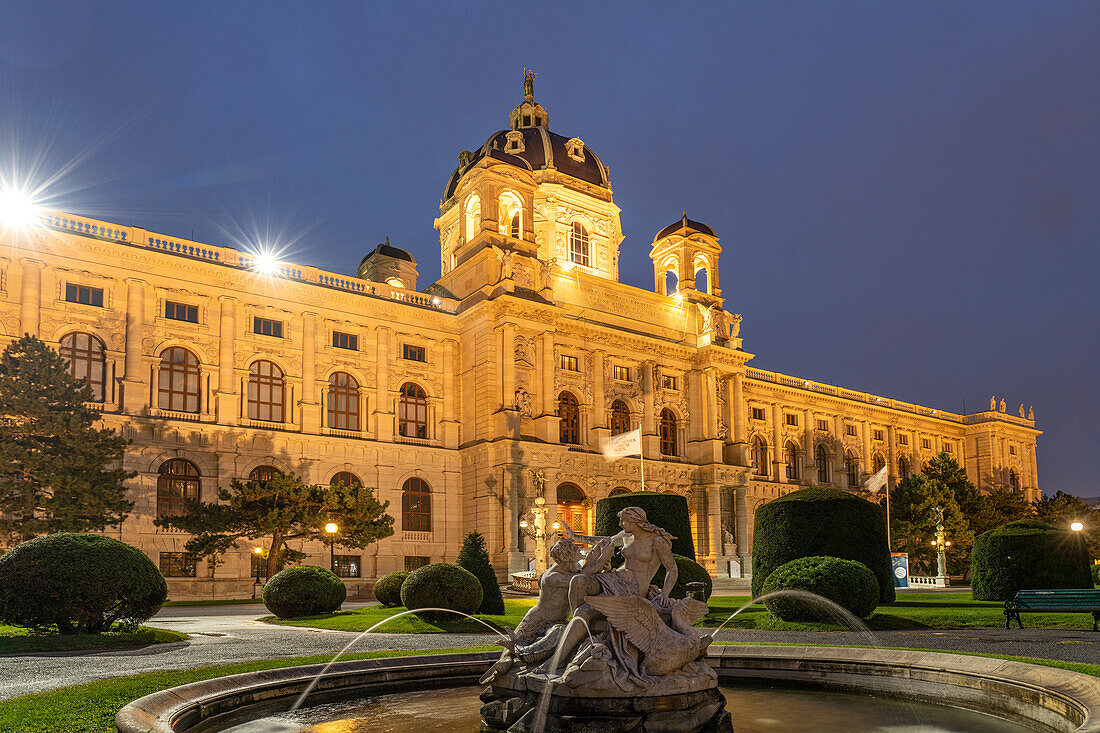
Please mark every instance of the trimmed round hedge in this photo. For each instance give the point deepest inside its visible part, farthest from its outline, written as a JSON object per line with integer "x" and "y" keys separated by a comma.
{"x": 1027, "y": 554}
{"x": 688, "y": 571}
{"x": 304, "y": 590}
{"x": 1095, "y": 574}
{"x": 821, "y": 521}
{"x": 847, "y": 583}
{"x": 667, "y": 511}
{"x": 84, "y": 583}
{"x": 388, "y": 588}
{"x": 441, "y": 585}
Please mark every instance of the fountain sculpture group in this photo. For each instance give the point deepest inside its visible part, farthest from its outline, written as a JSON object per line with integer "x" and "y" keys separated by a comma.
{"x": 603, "y": 650}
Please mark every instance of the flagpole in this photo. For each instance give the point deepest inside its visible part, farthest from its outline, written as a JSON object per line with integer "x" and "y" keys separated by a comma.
{"x": 641, "y": 457}
{"x": 889, "y": 545}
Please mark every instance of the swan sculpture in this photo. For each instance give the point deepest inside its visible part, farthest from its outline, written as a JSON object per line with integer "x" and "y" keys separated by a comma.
{"x": 666, "y": 649}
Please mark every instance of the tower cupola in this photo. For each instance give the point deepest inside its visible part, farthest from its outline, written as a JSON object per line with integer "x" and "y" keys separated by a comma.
{"x": 528, "y": 113}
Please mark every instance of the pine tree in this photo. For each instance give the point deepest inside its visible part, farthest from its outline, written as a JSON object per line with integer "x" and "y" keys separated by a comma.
{"x": 913, "y": 523}
{"x": 283, "y": 508}
{"x": 474, "y": 557}
{"x": 54, "y": 465}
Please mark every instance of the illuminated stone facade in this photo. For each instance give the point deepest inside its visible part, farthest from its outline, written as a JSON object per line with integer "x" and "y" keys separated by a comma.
{"x": 523, "y": 356}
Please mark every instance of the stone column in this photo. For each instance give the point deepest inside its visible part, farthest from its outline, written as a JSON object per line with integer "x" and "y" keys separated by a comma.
{"x": 735, "y": 394}
{"x": 450, "y": 427}
{"x": 714, "y": 523}
{"x": 383, "y": 405}
{"x": 779, "y": 471}
{"x": 30, "y": 297}
{"x": 600, "y": 430}
{"x": 133, "y": 381}
{"x": 743, "y": 522}
{"x": 840, "y": 456}
{"x": 892, "y": 456}
{"x": 227, "y": 406}
{"x": 809, "y": 461}
{"x": 507, "y": 336}
{"x": 547, "y": 406}
{"x": 310, "y": 403}
{"x": 649, "y": 437}
{"x": 1034, "y": 471}
{"x": 867, "y": 447}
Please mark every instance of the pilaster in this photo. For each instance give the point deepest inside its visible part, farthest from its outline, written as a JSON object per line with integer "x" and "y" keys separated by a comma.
{"x": 383, "y": 404}
{"x": 30, "y": 304}
{"x": 309, "y": 402}
{"x": 133, "y": 384}
{"x": 227, "y": 405}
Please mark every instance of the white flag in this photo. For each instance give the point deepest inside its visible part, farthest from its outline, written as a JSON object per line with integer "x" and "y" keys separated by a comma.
{"x": 623, "y": 444}
{"x": 876, "y": 482}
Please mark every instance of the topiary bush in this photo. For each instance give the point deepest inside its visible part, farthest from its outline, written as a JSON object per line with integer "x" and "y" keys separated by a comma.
{"x": 667, "y": 511}
{"x": 78, "y": 583}
{"x": 847, "y": 583}
{"x": 689, "y": 571}
{"x": 441, "y": 585}
{"x": 820, "y": 521}
{"x": 1027, "y": 554}
{"x": 474, "y": 557}
{"x": 388, "y": 588}
{"x": 304, "y": 590}
{"x": 1095, "y": 574}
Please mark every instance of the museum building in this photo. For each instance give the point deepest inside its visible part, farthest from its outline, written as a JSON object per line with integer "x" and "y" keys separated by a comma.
{"x": 463, "y": 400}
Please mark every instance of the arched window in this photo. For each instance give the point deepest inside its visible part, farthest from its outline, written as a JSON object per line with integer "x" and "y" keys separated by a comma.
{"x": 790, "y": 457}
{"x": 412, "y": 412}
{"x": 178, "y": 481}
{"x": 569, "y": 419}
{"x": 620, "y": 491}
{"x": 571, "y": 509}
{"x": 416, "y": 506}
{"x": 877, "y": 462}
{"x": 702, "y": 277}
{"x": 667, "y": 429}
{"x": 87, "y": 361}
{"x": 672, "y": 282}
{"x": 347, "y": 478}
{"x": 266, "y": 392}
{"x": 903, "y": 467}
{"x": 514, "y": 229}
{"x": 578, "y": 245}
{"x": 343, "y": 402}
{"x": 759, "y": 457}
{"x": 178, "y": 383}
{"x": 473, "y": 217}
{"x": 1014, "y": 480}
{"x": 263, "y": 473}
{"x": 821, "y": 460}
{"x": 851, "y": 465}
{"x": 620, "y": 417}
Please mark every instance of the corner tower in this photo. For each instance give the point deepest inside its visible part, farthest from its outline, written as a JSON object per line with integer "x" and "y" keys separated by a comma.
{"x": 527, "y": 203}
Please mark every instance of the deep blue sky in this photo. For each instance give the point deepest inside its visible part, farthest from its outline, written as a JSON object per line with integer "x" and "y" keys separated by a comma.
{"x": 908, "y": 194}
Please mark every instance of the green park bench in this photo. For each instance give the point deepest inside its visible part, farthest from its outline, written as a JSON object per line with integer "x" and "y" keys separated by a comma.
{"x": 1054, "y": 600}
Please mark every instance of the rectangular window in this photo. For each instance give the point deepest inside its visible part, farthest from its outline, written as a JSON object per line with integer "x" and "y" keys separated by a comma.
{"x": 926, "y": 443}
{"x": 83, "y": 294}
{"x": 903, "y": 439}
{"x": 668, "y": 381}
{"x": 177, "y": 565}
{"x": 412, "y": 562}
{"x": 570, "y": 363}
{"x": 259, "y": 565}
{"x": 413, "y": 353}
{"x": 877, "y": 434}
{"x": 345, "y": 341}
{"x": 1011, "y": 450}
{"x": 948, "y": 448}
{"x": 621, "y": 373}
{"x": 792, "y": 419}
{"x": 181, "y": 311}
{"x": 346, "y": 566}
{"x": 758, "y": 413}
{"x": 267, "y": 327}
{"x": 850, "y": 429}
{"x": 822, "y": 424}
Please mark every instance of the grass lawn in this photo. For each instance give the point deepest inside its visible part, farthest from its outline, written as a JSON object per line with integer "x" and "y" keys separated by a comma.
{"x": 363, "y": 618}
{"x": 91, "y": 707}
{"x": 910, "y": 611}
{"x": 16, "y": 640}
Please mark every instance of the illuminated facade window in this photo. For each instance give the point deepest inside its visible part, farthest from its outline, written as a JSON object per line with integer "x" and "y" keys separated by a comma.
{"x": 790, "y": 457}
{"x": 821, "y": 462}
{"x": 620, "y": 417}
{"x": 570, "y": 363}
{"x": 903, "y": 468}
{"x": 571, "y": 509}
{"x": 178, "y": 381}
{"x": 266, "y": 392}
{"x": 267, "y": 327}
{"x": 347, "y": 478}
{"x": 412, "y": 412}
{"x": 851, "y": 465}
{"x": 346, "y": 566}
{"x": 416, "y": 506}
{"x": 177, "y": 481}
{"x": 569, "y": 419}
{"x": 263, "y": 473}
{"x": 181, "y": 312}
{"x": 622, "y": 373}
{"x": 578, "y": 245}
{"x": 87, "y": 361}
{"x": 177, "y": 565}
{"x": 667, "y": 428}
{"x": 84, "y": 295}
{"x": 343, "y": 402}
{"x": 759, "y": 457}
{"x": 345, "y": 341}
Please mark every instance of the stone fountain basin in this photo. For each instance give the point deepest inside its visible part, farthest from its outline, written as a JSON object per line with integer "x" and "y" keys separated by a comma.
{"x": 1045, "y": 697}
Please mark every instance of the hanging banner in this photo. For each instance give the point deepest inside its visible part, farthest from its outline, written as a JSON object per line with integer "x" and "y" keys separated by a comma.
{"x": 899, "y": 563}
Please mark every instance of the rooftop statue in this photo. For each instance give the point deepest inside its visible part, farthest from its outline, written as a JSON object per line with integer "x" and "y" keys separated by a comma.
{"x": 626, "y": 640}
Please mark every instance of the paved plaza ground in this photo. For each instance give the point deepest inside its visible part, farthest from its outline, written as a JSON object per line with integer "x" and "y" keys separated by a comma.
{"x": 231, "y": 633}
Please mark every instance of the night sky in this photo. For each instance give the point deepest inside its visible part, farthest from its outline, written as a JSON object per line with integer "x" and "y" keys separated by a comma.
{"x": 908, "y": 194}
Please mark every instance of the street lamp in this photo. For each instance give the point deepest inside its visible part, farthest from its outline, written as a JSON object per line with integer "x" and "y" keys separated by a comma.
{"x": 940, "y": 543}
{"x": 259, "y": 551}
{"x": 331, "y": 529}
{"x": 1076, "y": 526}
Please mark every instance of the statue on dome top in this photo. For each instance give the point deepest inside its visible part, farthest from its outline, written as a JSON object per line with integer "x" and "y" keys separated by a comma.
{"x": 529, "y": 84}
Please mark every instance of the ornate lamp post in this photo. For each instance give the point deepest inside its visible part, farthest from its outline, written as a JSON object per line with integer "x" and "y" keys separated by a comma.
{"x": 257, "y": 588}
{"x": 941, "y": 544}
{"x": 538, "y": 532}
{"x": 331, "y": 529}
{"x": 1076, "y": 526}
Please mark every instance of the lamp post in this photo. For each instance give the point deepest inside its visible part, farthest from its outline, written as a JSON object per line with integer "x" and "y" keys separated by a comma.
{"x": 941, "y": 543}
{"x": 258, "y": 587}
{"x": 539, "y": 532}
{"x": 1076, "y": 526}
{"x": 331, "y": 529}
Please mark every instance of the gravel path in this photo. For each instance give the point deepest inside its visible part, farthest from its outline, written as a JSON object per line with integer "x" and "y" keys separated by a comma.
{"x": 227, "y": 634}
